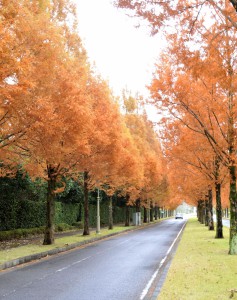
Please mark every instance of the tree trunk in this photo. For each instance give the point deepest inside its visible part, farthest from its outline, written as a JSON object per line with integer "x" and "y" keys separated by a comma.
{"x": 138, "y": 205}
{"x": 145, "y": 215}
{"x": 202, "y": 212}
{"x": 156, "y": 212}
{"x": 199, "y": 211}
{"x": 225, "y": 212}
{"x": 219, "y": 226}
{"x": 111, "y": 213}
{"x": 232, "y": 167}
{"x": 127, "y": 211}
{"x": 164, "y": 213}
{"x": 210, "y": 210}
{"x": 50, "y": 211}
{"x": 86, "y": 204}
{"x": 148, "y": 214}
{"x": 233, "y": 211}
{"x": 151, "y": 213}
{"x": 206, "y": 211}
{"x": 127, "y": 216}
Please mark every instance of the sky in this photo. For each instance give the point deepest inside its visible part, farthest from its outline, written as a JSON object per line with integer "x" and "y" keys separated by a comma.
{"x": 123, "y": 55}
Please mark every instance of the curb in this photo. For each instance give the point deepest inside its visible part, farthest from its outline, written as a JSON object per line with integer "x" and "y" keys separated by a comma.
{"x": 40, "y": 255}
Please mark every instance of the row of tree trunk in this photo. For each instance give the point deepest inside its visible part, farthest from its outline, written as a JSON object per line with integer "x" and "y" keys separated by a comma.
{"x": 151, "y": 213}
{"x": 205, "y": 211}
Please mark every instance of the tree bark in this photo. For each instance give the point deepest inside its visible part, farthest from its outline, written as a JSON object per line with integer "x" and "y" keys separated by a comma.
{"x": 202, "y": 212}
{"x": 127, "y": 212}
{"x": 86, "y": 204}
{"x": 204, "y": 219}
{"x": 111, "y": 213}
{"x": 152, "y": 213}
{"x": 159, "y": 213}
{"x": 232, "y": 163}
{"x": 138, "y": 205}
{"x": 210, "y": 210}
{"x": 233, "y": 211}
{"x": 127, "y": 216}
{"x": 145, "y": 215}
{"x": 206, "y": 212}
{"x": 50, "y": 211}
{"x": 156, "y": 212}
{"x": 148, "y": 214}
{"x": 219, "y": 225}
{"x": 227, "y": 213}
{"x": 199, "y": 211}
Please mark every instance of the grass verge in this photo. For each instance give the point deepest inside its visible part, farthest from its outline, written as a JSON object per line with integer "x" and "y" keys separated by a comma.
{"x": 14, "y": 253}
{"x": 201, "y": 268}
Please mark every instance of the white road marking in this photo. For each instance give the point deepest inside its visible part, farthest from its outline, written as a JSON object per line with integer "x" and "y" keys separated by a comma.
{"x": 79, "y": 261}
{"x": 76, "y": 262}
{"x": 146, "y": 289}
{"x": 111, "y": 247}
{"x": 100, "y": 252}
{"x": 60, "y": 270}
{"x": 47, "y": 275}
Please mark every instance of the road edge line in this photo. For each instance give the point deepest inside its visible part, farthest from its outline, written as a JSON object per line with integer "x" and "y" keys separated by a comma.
{"x": 146, "y": 289}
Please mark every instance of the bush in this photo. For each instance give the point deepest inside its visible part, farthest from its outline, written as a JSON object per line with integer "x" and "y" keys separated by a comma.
{"x": 21, "y": 204}
{"x": 66, "y": 213}
{"x": 20, "y": 233}
{"x": 78, "y": 225}
{"x": 63, "y": 227}
{"x": 6, "y": 235}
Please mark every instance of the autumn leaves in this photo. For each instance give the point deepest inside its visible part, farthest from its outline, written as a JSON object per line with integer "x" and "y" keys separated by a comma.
{"x": 59, "y": 120}
{"x": 195, "y": 88}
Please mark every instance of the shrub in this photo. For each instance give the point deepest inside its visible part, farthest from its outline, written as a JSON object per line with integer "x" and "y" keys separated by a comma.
{"x": 63, "y": 227}
{"x": 20, "y": 233}
{"x": 78, "y": 225}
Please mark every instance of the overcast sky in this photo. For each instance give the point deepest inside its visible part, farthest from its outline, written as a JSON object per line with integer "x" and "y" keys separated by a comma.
{"x": 124, "y": 55}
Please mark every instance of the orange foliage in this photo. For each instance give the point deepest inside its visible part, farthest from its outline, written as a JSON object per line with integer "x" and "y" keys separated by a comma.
{"x": 151, "y": 157}
{"x": 58, "y": 119}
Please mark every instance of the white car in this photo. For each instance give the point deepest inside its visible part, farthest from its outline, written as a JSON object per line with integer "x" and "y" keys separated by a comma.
{"x": 179, "y": 216}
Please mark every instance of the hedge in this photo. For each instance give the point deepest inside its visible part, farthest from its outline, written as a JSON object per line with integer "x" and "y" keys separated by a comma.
{"x": 30, "y": 214}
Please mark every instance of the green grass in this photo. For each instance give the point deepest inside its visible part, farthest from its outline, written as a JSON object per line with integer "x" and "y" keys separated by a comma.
{"x": 201, "y": 268}
{"x": 14, "y": 253}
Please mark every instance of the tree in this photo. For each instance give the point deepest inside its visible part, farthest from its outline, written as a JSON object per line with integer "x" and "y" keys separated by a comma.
{"x": 151, "y": 158}
{"x": 53, "y": 112}
{"x": 18, "y": 58}
{"x": 200, "y": 85}
{"x": 161, "y": 14}
{"x": 113, "y": 164}
{"x": 192, "y": 149}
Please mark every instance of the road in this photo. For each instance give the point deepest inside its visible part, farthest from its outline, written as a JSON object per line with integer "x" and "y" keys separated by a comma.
{"x": 125, "y": 267}
{"x": 225, "y": 222}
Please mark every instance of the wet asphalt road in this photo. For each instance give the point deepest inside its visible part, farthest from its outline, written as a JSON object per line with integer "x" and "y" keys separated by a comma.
{"x": 119, "y": 268}
{"x": 226, "y": 222}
